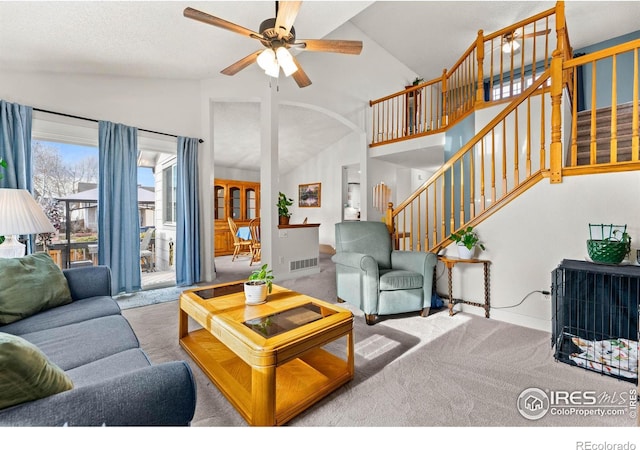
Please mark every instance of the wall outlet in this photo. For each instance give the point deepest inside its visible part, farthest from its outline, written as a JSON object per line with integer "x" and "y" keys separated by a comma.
{"x": 283, "y": 234}
{"x": 281, "y": 260}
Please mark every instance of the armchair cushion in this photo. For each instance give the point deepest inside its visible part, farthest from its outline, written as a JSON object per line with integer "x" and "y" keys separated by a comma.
{"x": 365, "y": 237}
{"x": 391, "y": 280}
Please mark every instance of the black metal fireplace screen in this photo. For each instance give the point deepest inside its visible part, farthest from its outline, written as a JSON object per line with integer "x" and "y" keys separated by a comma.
{"x": 595, "y": 323}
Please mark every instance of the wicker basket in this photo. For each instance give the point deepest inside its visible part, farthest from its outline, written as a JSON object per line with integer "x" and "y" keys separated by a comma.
{"x": 607, "y": 251}
{"x": 612, "y": 243}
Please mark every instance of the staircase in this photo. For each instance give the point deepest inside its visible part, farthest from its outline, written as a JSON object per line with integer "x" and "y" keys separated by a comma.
{"x": 602, "y": 135}
{"x": 523, "y": 144}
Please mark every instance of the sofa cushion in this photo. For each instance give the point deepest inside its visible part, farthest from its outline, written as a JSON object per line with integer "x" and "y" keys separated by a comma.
{"x": 391, "y": 280}
{"x": 109, "y": 367}
{"x": 74, "y": 312}
{"x": 29, "y": 285}
{"x": 80, "y": 343}
{"x": 26, "y": 373}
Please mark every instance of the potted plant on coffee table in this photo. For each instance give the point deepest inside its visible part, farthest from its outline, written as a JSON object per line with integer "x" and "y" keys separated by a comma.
{"x": 258, "y": 285}
{"x": 467, "y": 240}
{"x": 283, "y": 209}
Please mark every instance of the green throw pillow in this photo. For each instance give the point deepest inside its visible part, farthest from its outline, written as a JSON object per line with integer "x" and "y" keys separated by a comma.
{"x": 29, "y": 285}
{"x": 26, "y": 374}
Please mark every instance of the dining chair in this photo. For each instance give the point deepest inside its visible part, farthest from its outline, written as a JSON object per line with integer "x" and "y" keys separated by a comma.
{"x": 240, "y": 246}
{"x": 146, "y": 253}
{"x": 254, "y": 228}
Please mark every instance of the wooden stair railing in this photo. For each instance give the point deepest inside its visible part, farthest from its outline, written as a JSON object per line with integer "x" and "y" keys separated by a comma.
{"x": 510, "y": 153}
{"x": 438, "y": 104}
{"x": 505, "y": 158}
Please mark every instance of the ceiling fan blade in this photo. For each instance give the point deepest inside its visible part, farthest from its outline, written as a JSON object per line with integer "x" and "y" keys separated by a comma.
{"x": 537, "y": 33}
{"x": 287, "y": 12}
{"x": 239, "y": 65}
{"x": 328, "y": 45}
{"x": 203, "y": 17}
{"x": 300, "y": 76}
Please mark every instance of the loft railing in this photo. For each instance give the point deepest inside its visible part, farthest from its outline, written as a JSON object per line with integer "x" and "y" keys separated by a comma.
{"x": 604, "y": 129}
{"x": 495, "y": 68}
{"x": 498, "y": 164}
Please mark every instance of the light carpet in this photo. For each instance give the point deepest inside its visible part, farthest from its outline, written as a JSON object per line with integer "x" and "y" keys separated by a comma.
{"x": 411, "y": 371}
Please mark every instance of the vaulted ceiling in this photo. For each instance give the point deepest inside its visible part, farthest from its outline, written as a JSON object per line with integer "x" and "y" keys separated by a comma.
{"x": 153, "y": 39}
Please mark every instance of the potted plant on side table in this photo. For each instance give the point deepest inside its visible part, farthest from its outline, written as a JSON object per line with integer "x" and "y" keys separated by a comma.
{"x": 467, "y": 240}
{"x": 283, "y": 209}
{"x": 258, "y": 285}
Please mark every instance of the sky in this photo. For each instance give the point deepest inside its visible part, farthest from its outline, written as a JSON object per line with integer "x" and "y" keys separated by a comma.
{"x": 71, "y": 153}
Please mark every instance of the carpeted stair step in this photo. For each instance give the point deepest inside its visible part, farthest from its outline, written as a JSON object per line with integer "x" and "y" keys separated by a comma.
{"x": 603, "y": 134}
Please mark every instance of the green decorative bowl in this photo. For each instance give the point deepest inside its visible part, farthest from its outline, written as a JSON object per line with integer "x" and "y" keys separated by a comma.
{"x": 607, "y": 251}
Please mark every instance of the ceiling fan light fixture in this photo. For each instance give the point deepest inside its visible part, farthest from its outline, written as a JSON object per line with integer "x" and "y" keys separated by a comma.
{"x": 510, "y": 46}
{"x": 286, "y": 61}
{"x": 273, "y": 71}
{"x": 267, "y": 61}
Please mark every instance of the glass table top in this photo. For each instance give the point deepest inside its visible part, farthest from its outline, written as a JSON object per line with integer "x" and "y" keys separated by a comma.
{"x": 283, "y": 321}
{"x": 219, "y": 291}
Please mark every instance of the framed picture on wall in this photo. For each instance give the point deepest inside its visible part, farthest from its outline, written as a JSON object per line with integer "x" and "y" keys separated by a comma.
{"x": 309, "y": 195}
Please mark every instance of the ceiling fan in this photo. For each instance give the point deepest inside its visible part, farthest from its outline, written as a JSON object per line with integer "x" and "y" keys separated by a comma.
{"x": 510, "y": 40}
{"x": 277, "y": 35}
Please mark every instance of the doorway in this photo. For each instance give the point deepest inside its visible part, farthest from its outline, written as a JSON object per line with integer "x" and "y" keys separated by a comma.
{"x": 351, "y": 193}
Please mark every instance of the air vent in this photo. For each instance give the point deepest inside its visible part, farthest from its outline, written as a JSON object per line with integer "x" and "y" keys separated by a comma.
{"x": 303, "y": 264}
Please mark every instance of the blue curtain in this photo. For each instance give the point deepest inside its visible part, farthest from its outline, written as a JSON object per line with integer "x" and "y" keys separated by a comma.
{"x": 188, "y": 214}
{"x": 15, "y": 149}
{"x": 15, "y": 145}
{"x": 118, "y": 220}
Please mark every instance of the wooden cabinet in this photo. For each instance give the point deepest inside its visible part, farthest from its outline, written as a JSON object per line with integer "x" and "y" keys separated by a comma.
{"x": 237, "y": 199}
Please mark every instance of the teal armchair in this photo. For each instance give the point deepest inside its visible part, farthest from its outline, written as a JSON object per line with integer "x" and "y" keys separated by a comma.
{"x": 377, "y": 279}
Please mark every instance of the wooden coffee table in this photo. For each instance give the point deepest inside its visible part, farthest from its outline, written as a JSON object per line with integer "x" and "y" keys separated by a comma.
{"x": 268, "y": 360}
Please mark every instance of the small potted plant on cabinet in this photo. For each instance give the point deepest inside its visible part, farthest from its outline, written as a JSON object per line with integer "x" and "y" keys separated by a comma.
{"x": 467, "y": 240}
{"x": 258, "y": 285}
{"x": 283, "y": 209}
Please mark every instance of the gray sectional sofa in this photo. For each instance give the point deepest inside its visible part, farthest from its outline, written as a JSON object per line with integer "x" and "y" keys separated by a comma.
{"x": 114, "y": 383}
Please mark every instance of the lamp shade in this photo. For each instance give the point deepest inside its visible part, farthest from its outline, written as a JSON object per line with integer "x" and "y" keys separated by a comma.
{"x": 20, "y": 214}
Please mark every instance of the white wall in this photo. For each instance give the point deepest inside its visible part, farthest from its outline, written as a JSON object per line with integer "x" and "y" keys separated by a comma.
{"x": 169, "y": 106}
{"x": 230, "y": 173}
{"x": 528, "y": 238}
{"x": 325, "y": 168}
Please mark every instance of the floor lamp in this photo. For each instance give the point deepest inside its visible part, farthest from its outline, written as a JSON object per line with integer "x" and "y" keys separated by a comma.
{"x": 19, "y": 214}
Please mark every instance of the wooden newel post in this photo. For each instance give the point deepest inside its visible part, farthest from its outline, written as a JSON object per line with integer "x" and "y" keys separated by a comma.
{"x": 480, "y": 54}
{"x": 556, "y": 118}
{"x": 388, "y": 218}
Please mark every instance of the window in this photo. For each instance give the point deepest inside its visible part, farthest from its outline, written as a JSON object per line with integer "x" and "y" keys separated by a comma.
{"x": 509, "y": 89}
{"x": 169, "y": 179}
{"x": 66, "y": 176}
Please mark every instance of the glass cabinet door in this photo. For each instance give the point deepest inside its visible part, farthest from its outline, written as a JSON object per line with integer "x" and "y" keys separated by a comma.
{"x": 250, "y": 203}
{"x": 219, "y": 203}
{"x": 235, "y": 200}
